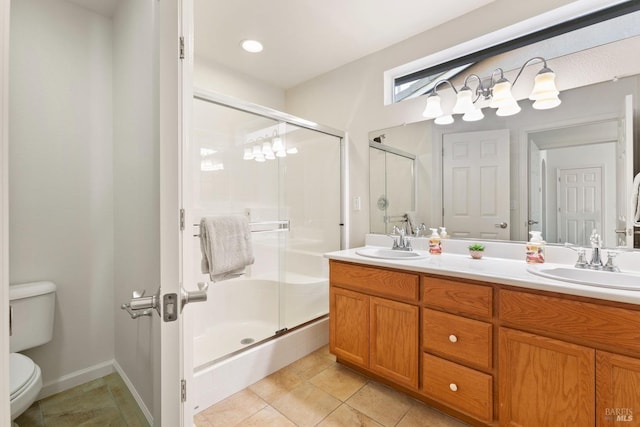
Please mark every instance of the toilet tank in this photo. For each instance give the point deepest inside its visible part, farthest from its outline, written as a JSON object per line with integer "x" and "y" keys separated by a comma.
{"x": 32, "y": 307}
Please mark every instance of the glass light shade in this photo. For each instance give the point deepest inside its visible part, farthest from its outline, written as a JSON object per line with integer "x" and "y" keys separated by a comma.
{"x": 545, "y": 93}
{"x": 277, "y": 144}
{"x": 547, "y": 103}
{"x": 248, "y": 154}
{"x": 433, "y": 109}
{"x": 281, "y": 153}
{"x": 501, "y": 94}
{"x": 444, "y": 120}
{"x": 545, "y": 85}
{"x": 292, "y": 150}
{"x": 464, "y": 101}
{"x": 257, "y": 151}
{"x": 260, "y": 158}
{"x": 508, "y": 109}
{"x": 270, "y": 156}
{"x": 266, "y": 148}
{"x": 473, "y": 116}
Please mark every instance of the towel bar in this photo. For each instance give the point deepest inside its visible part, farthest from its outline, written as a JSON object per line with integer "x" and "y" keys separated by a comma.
{"x": 279, "y": 226}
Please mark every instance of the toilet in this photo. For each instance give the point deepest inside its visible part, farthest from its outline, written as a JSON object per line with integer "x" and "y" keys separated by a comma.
{"x": 31, "y": 314}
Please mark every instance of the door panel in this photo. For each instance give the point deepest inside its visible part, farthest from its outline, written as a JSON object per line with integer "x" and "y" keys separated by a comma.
{"x": 476, "y": 184}
{"x": 580, "y": 207}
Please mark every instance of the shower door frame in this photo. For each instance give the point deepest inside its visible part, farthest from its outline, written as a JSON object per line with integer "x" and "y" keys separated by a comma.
{"x": 186, "y": 181}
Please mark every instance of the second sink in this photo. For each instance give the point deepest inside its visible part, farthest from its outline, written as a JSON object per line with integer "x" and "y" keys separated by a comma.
{"x": 384, "y": 253}
{"x": 604, "y": 279}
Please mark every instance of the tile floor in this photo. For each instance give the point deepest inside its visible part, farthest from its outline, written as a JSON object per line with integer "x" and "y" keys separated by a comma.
{"x": 102, "y": 402}
{"x": 316, "y": 391}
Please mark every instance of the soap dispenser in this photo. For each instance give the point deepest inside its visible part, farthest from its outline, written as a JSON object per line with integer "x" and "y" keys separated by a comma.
{"x": 443, "y": 233}
{"x": 435, "y": 245}
{"x": 535, "y": 248}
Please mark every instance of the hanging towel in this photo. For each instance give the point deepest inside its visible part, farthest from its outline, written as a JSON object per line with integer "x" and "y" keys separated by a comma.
{"x": 225, "y": 243}
{"x": 635, "y": 201}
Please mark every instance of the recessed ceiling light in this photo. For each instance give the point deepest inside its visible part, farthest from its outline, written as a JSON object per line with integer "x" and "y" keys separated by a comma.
{"x": 252, "y": 46}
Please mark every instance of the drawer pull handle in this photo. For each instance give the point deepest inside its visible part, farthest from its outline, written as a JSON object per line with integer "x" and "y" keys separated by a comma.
{"x": 453, "y": 387}
{"x": 453, "y": 338}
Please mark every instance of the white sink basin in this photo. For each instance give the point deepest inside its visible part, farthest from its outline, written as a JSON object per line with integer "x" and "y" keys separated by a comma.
{"x": 604, "y": 279}
{"x": 384, "y": 253}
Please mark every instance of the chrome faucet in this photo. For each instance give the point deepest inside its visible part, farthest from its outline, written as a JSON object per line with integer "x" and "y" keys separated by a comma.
{"x": 403, "y": 243}
{"x": 596, "y": 247}
{"x": 419, "y": 229}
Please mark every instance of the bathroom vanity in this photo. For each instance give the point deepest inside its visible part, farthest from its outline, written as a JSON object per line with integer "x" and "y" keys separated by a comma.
{"x": 488, "y": 342}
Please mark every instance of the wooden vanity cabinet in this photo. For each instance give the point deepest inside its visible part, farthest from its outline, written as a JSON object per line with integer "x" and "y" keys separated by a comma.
{"x": 557, "y": 361}
{"x": 374, "y": 320}
{"x": 457, "y": 344}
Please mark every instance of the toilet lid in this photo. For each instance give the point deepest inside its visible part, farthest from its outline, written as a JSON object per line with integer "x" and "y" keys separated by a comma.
{"x": 21, "y": 371}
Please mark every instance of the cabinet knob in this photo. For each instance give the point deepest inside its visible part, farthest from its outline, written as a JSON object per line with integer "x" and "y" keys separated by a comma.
{"x": 453, "y": 338}
{"x": 453, "y": 387}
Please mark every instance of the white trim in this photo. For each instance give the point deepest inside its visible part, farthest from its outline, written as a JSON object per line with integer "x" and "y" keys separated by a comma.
{"x": 544, "y": 20}
{"x": 4, "y": 206}
{"x": 76, "y": 378}
{"x": 134, "y": 392}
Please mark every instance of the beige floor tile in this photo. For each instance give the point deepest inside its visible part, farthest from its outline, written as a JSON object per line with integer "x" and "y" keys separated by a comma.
{"x": 339, "y": 381}
{"x": 234, "y": 409}
{"x": 267, "y": 417}
{"x": 346, "y": 416}
{"x": 422, "y": 415}
{"x": 92, "y": 400}
{"x": 306, "y": 405}
{"x": 32, "y": 417}
{"x": 99, "y": 417}
{"x": 311, "y": 364}
{"x": 381, "y": 403}
{"x": 124, "y": 400}
{"x": 276, "y": 385}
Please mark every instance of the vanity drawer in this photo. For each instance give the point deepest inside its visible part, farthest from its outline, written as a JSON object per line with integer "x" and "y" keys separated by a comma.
{"x": 457, "y": 297}
{"x": 394, "y": 284}
{"x": 594, "y": 324}
{"x": 459, "y": 338}
{"x": 460, "y": 387}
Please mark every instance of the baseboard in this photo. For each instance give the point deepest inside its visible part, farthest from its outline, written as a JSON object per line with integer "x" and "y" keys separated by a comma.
{"x": 134, "y": 393}
{"x": 76, "y": 378}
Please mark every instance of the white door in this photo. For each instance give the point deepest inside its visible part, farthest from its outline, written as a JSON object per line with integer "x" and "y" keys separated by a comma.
{"x": 175, "y": 97}
{"x": 4, "y": 211}
{"x": 579, "y": 204}
{"x": 476, "y": 189}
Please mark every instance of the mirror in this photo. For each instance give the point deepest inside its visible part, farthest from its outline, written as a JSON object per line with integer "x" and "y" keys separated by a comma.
{"x": 580, "y": 134}
{"x": 391, "y": 188}
{"x": 563, "y": 171}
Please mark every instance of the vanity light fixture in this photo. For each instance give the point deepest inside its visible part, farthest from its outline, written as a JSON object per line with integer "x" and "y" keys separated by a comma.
{"x": 497, "y": 90}
{"x": 251, "y": 46}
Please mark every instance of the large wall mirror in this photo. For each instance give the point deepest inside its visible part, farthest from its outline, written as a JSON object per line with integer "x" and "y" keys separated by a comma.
{"x": 563, "y": 171}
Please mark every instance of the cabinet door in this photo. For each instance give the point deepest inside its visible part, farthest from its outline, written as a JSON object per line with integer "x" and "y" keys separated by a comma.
{"x": 545, "y": 382}
{"x": 394, "y": 341}
{"x": 617, "y": 390}
{"x": 349, "y": 325}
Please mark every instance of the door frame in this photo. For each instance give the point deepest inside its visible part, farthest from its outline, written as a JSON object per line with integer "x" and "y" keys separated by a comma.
{"x": 4, "y": 206}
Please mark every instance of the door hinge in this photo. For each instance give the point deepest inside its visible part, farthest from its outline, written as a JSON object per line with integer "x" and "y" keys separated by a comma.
{"x": 181, "y": 47}
{"x": 181, "y": 219}
{"x": 183, "y": 390}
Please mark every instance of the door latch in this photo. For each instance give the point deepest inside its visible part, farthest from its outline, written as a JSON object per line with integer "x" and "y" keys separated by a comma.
{"x": 141, "y": 305}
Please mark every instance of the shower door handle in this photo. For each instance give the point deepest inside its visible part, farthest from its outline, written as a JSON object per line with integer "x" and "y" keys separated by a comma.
{"x": 193, "y": 296}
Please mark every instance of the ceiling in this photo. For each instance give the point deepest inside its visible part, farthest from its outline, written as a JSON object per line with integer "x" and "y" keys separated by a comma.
{"x": 306, "y": 38}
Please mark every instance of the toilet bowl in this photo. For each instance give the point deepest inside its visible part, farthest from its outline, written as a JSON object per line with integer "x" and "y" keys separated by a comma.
{"x": 31, "y": 320}
{"x": 25, "y": 382}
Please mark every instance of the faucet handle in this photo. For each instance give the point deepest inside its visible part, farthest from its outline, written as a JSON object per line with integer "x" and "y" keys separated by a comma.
{"x": 582, "y": 259}
{"x": 610, "y": 264}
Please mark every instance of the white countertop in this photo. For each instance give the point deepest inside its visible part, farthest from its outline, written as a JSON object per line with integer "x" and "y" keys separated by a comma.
{"x": 495, "y": 270}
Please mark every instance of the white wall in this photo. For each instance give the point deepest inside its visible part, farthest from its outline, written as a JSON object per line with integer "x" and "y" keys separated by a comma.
{"x": 351, "y": 97}
{"x": 220, "y": 79}
{"x": 61, "y": 175}
{"x": 136, "y": 186}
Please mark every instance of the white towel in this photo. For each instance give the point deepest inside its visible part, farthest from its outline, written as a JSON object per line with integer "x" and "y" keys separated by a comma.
{"x": 635, "y": 201}
{"x": 225, "y": 243}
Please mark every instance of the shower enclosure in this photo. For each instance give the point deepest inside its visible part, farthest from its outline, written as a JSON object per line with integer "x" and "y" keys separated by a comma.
{"x": 284, "y": 174}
